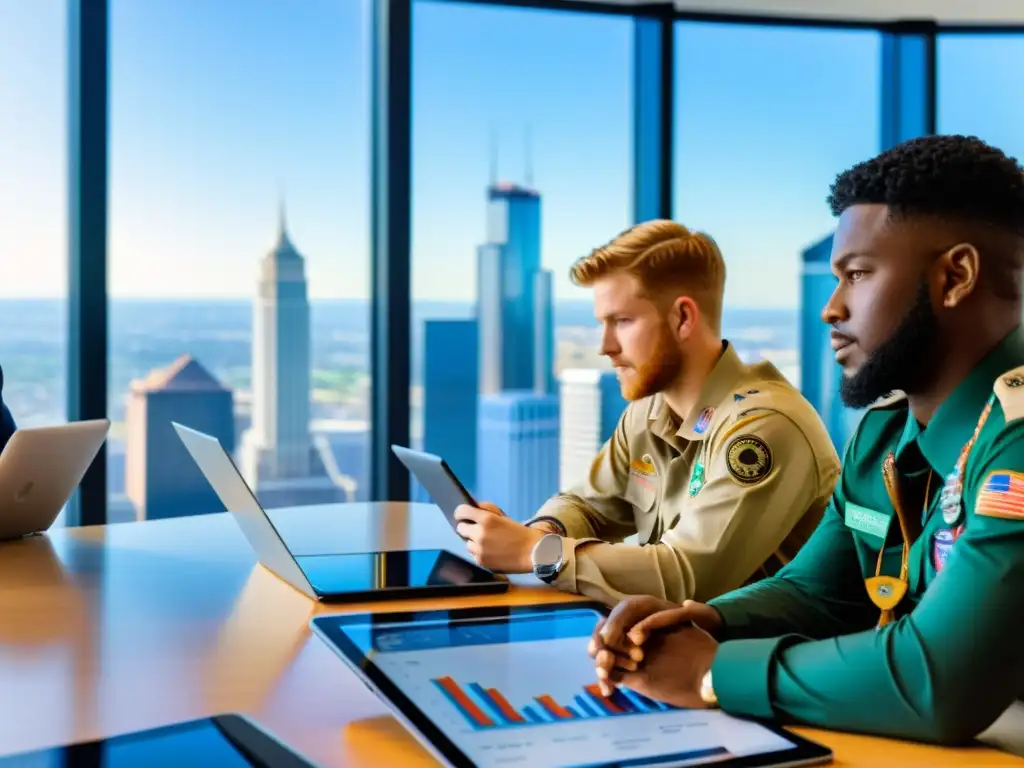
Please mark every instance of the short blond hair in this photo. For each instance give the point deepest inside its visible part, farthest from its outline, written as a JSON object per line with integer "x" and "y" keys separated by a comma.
{"x": 664, "y": 256}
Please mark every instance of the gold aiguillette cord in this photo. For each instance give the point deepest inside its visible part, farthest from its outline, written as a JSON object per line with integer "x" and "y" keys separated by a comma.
{"x": 887, "y": 591}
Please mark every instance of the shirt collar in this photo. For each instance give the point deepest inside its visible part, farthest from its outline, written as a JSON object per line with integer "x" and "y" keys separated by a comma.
{"x": 717, "y": 387}
{"x": 955, "y": 419}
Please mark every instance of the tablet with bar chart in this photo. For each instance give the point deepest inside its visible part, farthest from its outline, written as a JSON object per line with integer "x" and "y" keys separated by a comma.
{"x": 515, "y": 686}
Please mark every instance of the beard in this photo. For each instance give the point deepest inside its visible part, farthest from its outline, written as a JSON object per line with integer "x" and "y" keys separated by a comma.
{"x": 905, "y": 361}
{"x": 656, "y": 373}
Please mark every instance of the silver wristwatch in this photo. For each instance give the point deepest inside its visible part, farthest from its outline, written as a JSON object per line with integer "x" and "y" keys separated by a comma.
{"x": 547, "y": 557}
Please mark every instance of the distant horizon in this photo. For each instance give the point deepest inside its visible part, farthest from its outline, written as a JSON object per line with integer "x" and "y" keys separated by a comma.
{"x": 244, "y": 300}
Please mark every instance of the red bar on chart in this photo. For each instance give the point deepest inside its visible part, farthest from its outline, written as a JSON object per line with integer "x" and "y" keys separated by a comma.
{"x": 506, "y": 709}
{"x": 604, "y": 701}
{"x": 463, "y": 701}
{"x": 553, "y": 707}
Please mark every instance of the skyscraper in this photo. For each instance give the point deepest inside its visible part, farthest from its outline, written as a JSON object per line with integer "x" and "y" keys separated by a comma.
{"x": 591, "y": 404}
{"x": 161, "y": 479}
{"x": 544, "y": 352}
{"x": 512, "y": 297}
{"x": 820, "y": 374}
{"x": 450, "y": 369}
{"x": 278, "y": 444}
{"x": 517, "y": 451}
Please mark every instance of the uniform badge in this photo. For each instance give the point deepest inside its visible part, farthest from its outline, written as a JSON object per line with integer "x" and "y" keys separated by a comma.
{"x": 950, "y": 498}
{"x": 703, "y": 421}
{"x": 749, "y": 459}
{"x": 643, "y": 471}
{"x": 696, "y": 479}
{"x": 942, "y": 545}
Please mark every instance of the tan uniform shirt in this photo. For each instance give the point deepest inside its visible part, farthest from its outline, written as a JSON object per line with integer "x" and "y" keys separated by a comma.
{"x": 722, "y": 497}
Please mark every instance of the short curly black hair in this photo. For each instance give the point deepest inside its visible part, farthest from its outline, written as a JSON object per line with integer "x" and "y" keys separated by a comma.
{"x": 951, "y": 177}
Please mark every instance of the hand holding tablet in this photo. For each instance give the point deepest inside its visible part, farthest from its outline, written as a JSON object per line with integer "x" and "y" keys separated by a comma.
{"x": 434, "y": 474}
{"x": 444, "y": 487}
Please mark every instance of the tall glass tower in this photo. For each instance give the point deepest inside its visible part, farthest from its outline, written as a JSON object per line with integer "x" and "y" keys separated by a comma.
{"x": 514, "y": 295}
{"x": 450, "y": 395}
{"x": 279, "y": 446}
{"x": 517, "y": 451}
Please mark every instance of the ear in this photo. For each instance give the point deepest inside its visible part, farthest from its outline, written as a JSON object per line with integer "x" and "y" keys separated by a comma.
{"x": 960, "y": 267}
{"x": 683, "y": 317}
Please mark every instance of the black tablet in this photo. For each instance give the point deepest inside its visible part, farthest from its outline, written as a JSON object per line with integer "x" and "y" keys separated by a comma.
{"x": 227, "y": 741}
{"x": 438, "y": 479}
{"x": 515, "y": 686}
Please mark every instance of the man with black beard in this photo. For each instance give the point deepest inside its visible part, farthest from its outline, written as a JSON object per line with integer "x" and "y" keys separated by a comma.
{"x": 900, "y": 617}
{"x": 721, "y": 470}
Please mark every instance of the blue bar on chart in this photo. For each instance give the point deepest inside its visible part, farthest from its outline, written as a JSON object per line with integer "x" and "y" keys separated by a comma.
{"x": 485, "y": 708}
{"x": 641, "y": 702}
{"x": 588, "y": 709}
{"x": 534, "y": 717}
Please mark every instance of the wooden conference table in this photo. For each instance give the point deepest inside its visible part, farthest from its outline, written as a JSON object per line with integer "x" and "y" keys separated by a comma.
{"x": 109, "y": 629}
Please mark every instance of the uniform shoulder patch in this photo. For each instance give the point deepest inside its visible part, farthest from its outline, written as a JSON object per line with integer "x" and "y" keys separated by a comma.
{"x": 1009, "y": 388}
{"x": 1001, "y": 495}
{"x": 888, "y": 401}
{"x": 749, "y": 459}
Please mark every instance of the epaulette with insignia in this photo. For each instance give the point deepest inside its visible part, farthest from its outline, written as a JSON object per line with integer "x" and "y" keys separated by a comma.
{"x": 893, "y": 398}
{"x": 1009, "y": 388}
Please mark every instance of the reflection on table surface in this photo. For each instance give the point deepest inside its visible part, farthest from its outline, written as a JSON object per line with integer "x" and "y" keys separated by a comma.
{"x": 117, "y": 628}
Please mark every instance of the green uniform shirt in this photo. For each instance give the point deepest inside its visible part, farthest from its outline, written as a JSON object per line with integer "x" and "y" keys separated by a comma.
{"x": 803, "y": 646}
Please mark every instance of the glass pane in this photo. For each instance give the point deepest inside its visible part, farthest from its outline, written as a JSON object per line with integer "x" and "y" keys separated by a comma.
{"x": 33, "y": 198}
{"x": 238, "y": 249}
{"x": 765, "y": 118}
{"x": 977, "y": 83}
{"x": 521, "y": 142}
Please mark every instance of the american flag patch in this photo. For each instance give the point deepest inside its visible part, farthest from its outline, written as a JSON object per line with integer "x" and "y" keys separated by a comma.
{"x": 1002, "y": 495}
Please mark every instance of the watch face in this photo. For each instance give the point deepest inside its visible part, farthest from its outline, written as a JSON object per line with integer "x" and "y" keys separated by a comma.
{"x": 549, "y": 551}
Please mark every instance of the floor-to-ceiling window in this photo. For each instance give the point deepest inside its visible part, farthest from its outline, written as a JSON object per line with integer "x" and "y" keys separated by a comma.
{"x": 33, "y": 201}
{"x": 238, "y": 249}
{"x": 977, "y": 88}
{"x": 765, "y": 117}
{"x": 521, "y": 163}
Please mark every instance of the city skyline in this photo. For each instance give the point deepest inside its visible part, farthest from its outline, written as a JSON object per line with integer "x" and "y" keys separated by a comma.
{"x": 203, "y": 138}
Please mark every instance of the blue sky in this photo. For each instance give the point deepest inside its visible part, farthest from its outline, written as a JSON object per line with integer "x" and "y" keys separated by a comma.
{"x": 218, "y": 105}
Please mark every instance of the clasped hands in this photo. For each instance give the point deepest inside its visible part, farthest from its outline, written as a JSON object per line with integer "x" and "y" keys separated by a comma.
{"x": 659, "y": 649}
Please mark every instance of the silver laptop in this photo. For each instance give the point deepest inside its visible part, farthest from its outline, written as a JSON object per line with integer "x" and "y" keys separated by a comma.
{"x": 40, "y": 467}
{"x": 333, "y": 577}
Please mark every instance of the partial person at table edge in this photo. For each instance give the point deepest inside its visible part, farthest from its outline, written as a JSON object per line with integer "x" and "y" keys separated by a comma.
{"x": 900, "y": 617}
{"x": 7, "y": 425}
{"x": 720, "y": 468}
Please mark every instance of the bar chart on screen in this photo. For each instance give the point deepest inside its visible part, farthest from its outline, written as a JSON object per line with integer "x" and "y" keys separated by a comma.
{"x": 525, "y": 692}
{"x": 487, "y": 708}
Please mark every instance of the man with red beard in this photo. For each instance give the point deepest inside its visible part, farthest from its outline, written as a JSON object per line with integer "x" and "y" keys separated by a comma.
{"x": 721, "y": 469}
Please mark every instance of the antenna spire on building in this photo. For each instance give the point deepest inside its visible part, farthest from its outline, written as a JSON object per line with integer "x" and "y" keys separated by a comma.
{"x": 493, "y": 155}
{"x": 528, "y": 179}
{"x": 282, "y": 220}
